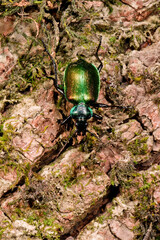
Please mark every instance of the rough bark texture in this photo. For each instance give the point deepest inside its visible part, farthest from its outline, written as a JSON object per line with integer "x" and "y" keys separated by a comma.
{"x": 89, "y": 188}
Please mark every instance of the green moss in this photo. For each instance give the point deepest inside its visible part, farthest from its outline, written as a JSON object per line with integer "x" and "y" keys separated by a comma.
{"x": 110, "y": 212}
{"x": 70, "y": 177}
{"x": 49, "y": 221}
{"x": 112, "y": 39}
{"x": 108, "y": 4}
{"x": 59, "y": 102}
{"x": 140, "y": 188}
{"x": 122, "y": 174}
{"x": 7, "y": 8}
{"x": 137, "y": 79}
{"x": 6, "y": 135}
{"x": 6, "y": 226}
{"x": 69, "y": 180}
{"x": 89, "y": 141}
{"x": 45, "y": 223}
{"x": 18, "y": 211}
{"x": 146, "y": 211}
{"x": 101, "y": 219}
{"x": 29, "y": 71}
{"x": 138, "y": 146}
{"x": 32, "y": 218}
{"x": 1, "y": 232}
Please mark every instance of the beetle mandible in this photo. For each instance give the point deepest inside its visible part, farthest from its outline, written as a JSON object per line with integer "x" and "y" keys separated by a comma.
{"x": 81, "y": 88}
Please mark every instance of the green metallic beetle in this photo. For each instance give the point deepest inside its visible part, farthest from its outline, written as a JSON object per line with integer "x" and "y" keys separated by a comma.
{"x": 81, "y": 87}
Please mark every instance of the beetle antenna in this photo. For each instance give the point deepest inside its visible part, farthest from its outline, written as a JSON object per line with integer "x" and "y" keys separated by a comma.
{"x": 54, "y": 63}
{"x": 97, "y": 116}
{"x": 101, "y": 64}
{"x": 99, "y": 140}
{"x": 66, "y": 120}
{"x": 55, "y": 68}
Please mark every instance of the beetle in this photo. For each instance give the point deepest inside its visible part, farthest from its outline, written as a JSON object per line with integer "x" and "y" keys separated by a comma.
{"x": 81, "y": 88}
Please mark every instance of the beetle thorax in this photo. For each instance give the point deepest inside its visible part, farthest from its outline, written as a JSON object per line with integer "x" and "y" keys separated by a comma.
{"x": 81, "y": 113}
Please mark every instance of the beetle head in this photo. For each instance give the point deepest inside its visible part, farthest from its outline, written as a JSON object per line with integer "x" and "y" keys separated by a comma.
{"x": 81, "y": 127}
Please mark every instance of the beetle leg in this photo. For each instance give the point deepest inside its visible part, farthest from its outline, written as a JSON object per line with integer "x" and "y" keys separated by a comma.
{"x": 65, "y": 145}
{"x": 93, "y": 134}
{"x": 97, "y": 116}
{"x": 66, "y": 120}
{"x": 55, "y": 80}
{"x": 60, "y": 90}
{"x": 102, "y": 105}
{"x": 57, "y": 87}
{"x": 101, "y": 64}
{"x": 97, "y": 105}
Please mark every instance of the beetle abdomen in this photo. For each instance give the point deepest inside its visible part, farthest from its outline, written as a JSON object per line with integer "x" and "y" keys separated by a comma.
{"x": 81, "y": 82}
